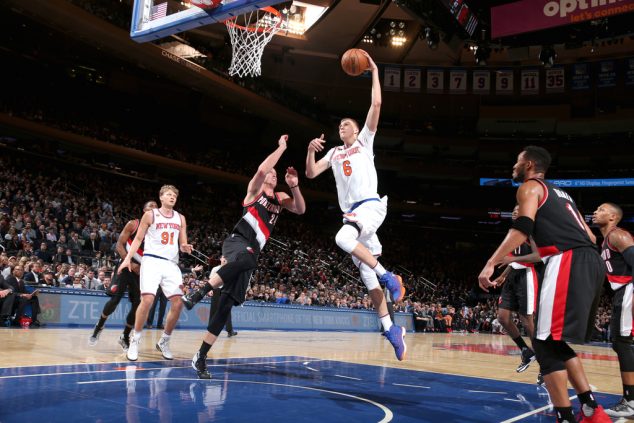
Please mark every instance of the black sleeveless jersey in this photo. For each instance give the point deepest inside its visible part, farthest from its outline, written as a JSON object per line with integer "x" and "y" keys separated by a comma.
{"x": 618, "y": 271}
{"x": 138, "y": 255}
{"x": 558, "y": 224}
{"x": 258, "y": 219}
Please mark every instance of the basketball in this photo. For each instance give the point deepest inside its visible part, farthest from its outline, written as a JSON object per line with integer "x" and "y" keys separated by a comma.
{"x": 354, "y": 62}
{"x": 206, "y": 4}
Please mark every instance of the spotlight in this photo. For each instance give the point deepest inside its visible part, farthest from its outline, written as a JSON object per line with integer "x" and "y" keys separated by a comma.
{"x": 547, "y": 56}
{"x": 481, "y": 54}
{"x": 432, "y": 38}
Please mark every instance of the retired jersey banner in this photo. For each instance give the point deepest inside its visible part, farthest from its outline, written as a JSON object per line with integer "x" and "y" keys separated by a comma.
{"x": 412, "y": 80}
{"x": 530, "y": 82}
{"x": 392, "y": 79}
{"x": 435, "y": 80}
{"x": 607, "y": 74}
{"x": 629, "y": 71}
{"x": 457, "y": 81}
{"x": 555, "y": 80}
{"x": 481, "y": 82}
{"x": 580, "y": 76}
{"x": 504, "y": 81}
{"x": 532, "y": 15}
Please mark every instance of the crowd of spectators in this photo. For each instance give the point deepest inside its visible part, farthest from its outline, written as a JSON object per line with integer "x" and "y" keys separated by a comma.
{"x": 64, "y": 237}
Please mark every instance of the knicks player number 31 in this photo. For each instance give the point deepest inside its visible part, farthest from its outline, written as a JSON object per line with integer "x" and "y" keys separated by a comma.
{"x": 167, "y": 238}
{"x": 347, "y": 169}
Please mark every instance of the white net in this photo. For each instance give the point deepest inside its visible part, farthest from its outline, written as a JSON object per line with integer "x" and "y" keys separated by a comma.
{"x": 248, "y": 41}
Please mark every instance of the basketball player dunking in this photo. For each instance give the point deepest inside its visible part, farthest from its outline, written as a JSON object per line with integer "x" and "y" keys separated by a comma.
{"x": 164, "y": 233}
{"x": 617, "y": 252}
{"x": 363, "y": 211}
{"x": 571, "y": 285}
{"x": 262, "y": 206}
{"x": 127, "y": 280}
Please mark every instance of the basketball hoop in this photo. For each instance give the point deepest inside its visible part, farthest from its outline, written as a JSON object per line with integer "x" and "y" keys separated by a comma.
{"x": 250, "y": 33}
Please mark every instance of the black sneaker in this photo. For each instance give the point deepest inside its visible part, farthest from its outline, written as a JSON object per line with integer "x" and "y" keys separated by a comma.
{"x": 191, "y": 299}
{"x": 540, "y": 379}
{"x": 528, "y": 356}
{"x": 200, "y": 365}
{"x": 232, "y": 333}
{"x": 124, "y": 341}
{"x": 95, "y": 336}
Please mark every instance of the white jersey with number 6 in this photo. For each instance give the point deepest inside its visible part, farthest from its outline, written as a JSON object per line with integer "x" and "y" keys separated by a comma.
{"x": 354, "y": 170}
{"x": 161, "y": 238}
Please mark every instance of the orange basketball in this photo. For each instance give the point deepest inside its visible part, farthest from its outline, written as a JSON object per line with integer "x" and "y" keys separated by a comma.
{"x": 353, "y": 62}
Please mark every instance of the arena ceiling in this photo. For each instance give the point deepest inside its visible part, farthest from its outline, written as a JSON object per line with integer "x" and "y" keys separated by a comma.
{"x": 347, "y": 22}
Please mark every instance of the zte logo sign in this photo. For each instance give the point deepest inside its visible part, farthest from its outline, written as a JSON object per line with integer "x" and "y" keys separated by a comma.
{"x": 566, "y": 7}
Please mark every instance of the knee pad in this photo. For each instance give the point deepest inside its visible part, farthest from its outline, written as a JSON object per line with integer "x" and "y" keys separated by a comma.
{"x": 552, "y": 355}
{"x": 622, "y": 346}
{"x": 346, "y": 238}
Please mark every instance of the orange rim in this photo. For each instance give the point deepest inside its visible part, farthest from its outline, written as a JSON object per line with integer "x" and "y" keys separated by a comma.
{"x": 268, "y": 9}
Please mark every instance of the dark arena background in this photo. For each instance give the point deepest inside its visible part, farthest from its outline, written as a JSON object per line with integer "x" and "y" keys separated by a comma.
{"x": 102, "y": 102}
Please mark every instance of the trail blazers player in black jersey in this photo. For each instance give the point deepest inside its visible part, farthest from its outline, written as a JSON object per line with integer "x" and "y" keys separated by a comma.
{"x": 571, "y": 285}
{"x": 126, "y": 281}
{"x": 261, "y": 208}
{"x": 519, "y": 294}
{"x": 617, "y": 252}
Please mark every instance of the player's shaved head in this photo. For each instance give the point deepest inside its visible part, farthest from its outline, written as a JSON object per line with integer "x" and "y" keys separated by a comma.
{"x": 150, "y": 205}
{"x": 617, "y": 210}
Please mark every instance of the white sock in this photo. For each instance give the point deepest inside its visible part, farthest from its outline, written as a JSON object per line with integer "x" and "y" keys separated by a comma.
{"x": 165, "y": 336}
{"x": 379, "y": 269}
{"x": 137, "y": 336}
{"x": 386, "y": 322}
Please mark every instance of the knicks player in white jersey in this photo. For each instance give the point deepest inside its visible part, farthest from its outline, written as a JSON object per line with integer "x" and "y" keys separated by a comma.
{"x": 164, "y": 233}
{"x": 363, "y": 210}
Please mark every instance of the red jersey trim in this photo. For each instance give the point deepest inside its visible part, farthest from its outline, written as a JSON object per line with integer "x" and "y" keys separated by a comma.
{"x": 252, "y": 202}
{"x": 265, "y": 230}
{"x": 561, "y": 294}
{"x": 545, "y": 197}
{"x": 137, "y": 222}
{"x": 620, "y": 279}
{"x": 548, "y": 251}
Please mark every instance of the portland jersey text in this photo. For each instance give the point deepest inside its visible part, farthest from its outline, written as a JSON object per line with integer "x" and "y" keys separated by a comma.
{"x": 161, "y": 239}
{"x": 618, "y": 271}
{"x": 354, "y": 170}
{"x": 558, "y": 224}
{"x": 259, "y": 218}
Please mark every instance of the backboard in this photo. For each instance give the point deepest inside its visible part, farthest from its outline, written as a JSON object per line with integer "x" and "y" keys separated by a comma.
{"x": 155, "y": 19}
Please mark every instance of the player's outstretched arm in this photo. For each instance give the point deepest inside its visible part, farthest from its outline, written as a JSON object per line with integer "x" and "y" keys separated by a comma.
{"x": 146, "y": 221}
{"x": 315, "y": 168}
{"x": 255, "y": 185}
{"x": 296, "y": 203}
{"x": 372, "y": 120}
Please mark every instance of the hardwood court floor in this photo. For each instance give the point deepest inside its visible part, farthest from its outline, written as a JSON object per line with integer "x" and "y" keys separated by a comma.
{"x": 479, "y": 355}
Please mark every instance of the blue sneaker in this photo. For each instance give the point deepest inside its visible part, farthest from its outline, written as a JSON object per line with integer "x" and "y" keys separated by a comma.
{"x": 396, "y": 336}
{"x": 394, "y": 284}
